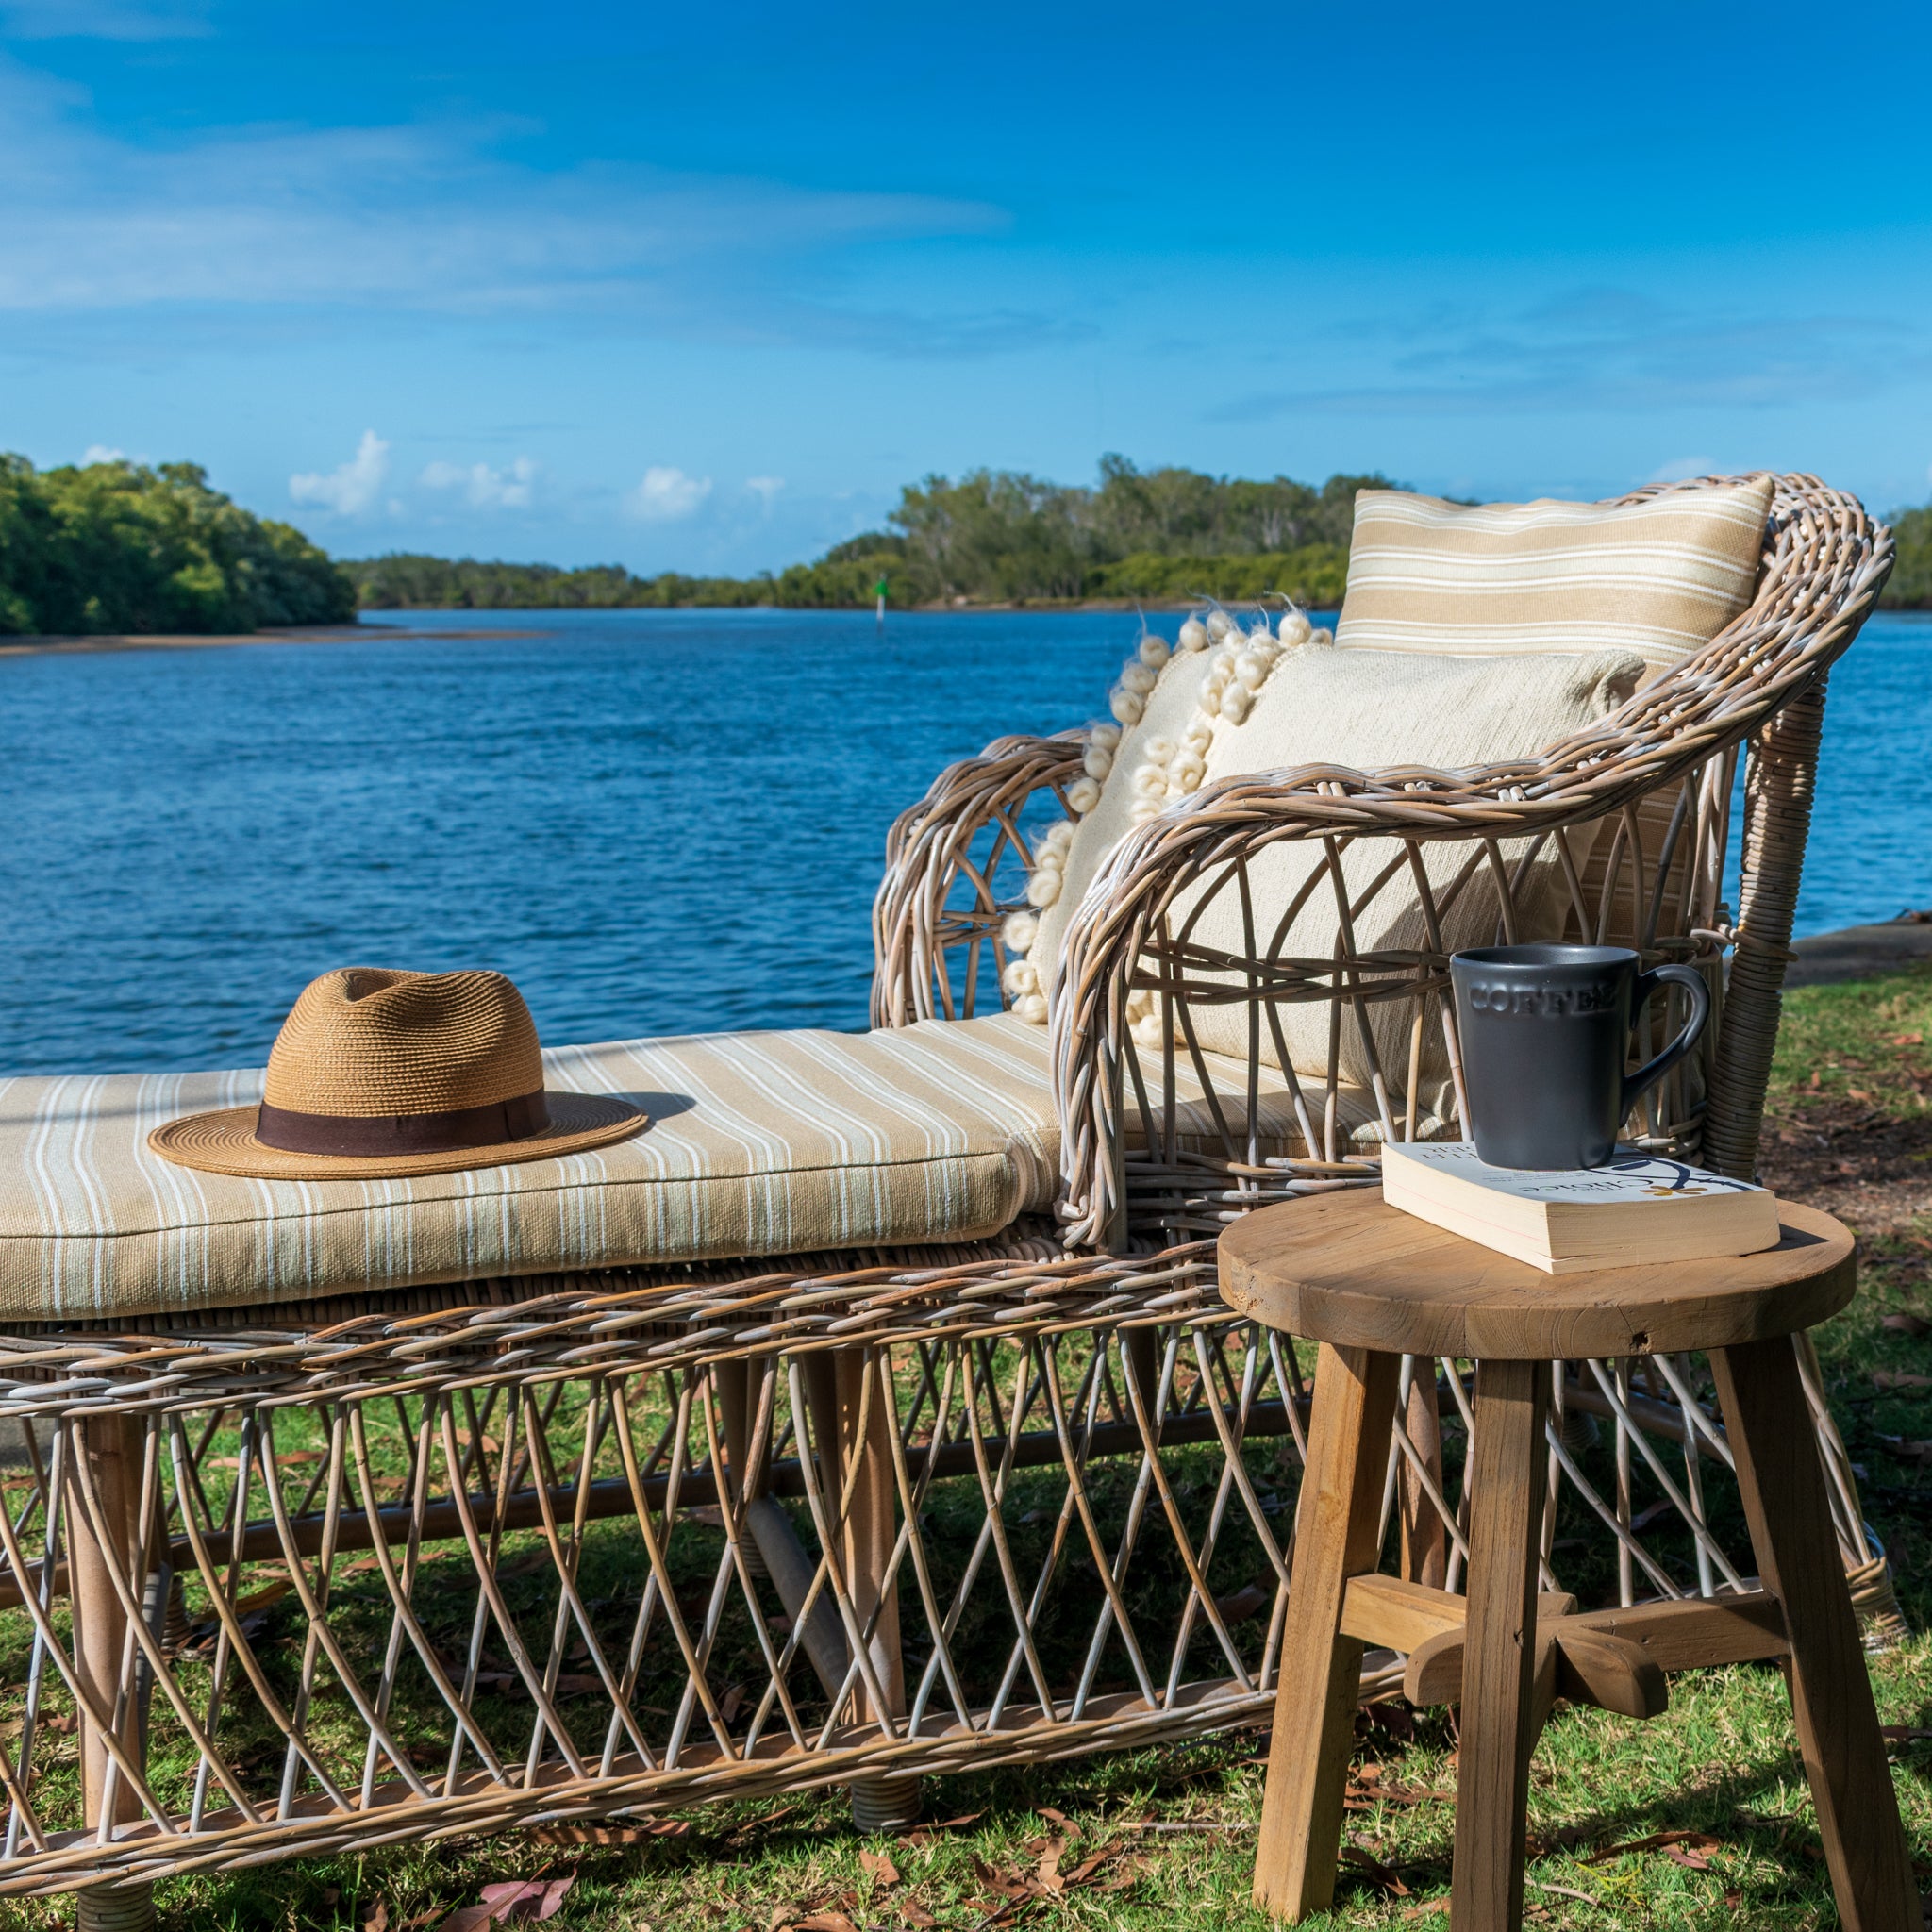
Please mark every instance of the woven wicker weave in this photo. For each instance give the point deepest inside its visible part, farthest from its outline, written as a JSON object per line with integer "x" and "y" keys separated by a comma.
{"x": 575, "y": 1547}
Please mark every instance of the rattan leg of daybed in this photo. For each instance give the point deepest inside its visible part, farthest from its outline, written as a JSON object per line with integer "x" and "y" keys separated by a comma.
{"x": 104, "y": 1653}
{"x": 865, "y": 1424}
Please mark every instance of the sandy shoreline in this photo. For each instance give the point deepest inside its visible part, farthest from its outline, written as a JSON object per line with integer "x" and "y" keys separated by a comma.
{"x": 287, "y": 634}
{"x": 376, "y": 631}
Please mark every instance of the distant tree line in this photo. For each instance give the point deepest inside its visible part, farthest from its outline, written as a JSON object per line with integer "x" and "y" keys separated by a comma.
{"x": 1910, "y": 587}
{"x": 995, "y": 536}
{"x": 120, "y": 547}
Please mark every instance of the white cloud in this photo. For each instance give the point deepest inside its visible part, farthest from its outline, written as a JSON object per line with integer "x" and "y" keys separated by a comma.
{"x": 509, "y": 487}
{"x": 100, "y": 453}
{"x": 765, "y": 486}
{"x": 421, "y": 216}
{"x": 350, "y": 487}
{"x": 666, "y": 494}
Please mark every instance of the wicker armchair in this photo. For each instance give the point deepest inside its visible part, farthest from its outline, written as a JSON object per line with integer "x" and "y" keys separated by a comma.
{"x": 1760, "y": 685}
{"x": 638, "y": 1538}
{"x": 1663, "y": 764}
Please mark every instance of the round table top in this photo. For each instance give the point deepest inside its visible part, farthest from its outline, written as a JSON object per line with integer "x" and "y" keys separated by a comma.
{"x": 1348, "y": 1268}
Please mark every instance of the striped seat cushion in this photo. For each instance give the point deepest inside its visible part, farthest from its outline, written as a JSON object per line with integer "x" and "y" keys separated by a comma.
{"x": 1660, "y": 577}
{"x": 759, "y": 1144}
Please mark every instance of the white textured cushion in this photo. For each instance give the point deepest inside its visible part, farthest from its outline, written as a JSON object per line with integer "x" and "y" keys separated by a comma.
{"x": 1368, "y": 711}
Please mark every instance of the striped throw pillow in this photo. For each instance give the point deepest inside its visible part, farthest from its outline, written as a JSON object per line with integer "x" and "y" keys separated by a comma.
{"x": 1660, "y": 577}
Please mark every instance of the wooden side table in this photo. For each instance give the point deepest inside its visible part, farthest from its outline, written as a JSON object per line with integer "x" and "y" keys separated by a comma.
{"x": 1371, "y": 1284}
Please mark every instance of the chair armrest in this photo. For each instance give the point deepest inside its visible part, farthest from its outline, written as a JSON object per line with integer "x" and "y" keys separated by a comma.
{"x": 929, "y": 850}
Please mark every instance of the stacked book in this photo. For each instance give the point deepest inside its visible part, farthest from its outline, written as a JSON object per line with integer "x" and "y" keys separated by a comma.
{"x": 1640, "y": 1209}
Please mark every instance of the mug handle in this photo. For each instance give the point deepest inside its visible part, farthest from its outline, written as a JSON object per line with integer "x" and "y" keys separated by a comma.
{"x": 1635, "y": 1084}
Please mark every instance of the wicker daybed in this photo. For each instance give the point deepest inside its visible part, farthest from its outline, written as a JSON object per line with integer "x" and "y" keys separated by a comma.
{"x": 341, "y": 1521}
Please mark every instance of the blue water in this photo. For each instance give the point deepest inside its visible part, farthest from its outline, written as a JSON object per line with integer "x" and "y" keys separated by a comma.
{"x": 654, "y": 822}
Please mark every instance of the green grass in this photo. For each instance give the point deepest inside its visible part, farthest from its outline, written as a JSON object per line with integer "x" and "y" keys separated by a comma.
{"x": 1173, "y": 1829}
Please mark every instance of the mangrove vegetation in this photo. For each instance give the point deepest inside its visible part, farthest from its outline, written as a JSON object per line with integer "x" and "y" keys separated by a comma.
{"x": 119, "y": 546}
{"x": 992, "y": 537}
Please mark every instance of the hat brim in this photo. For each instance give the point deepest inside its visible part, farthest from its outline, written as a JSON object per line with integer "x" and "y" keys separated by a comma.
{"x": 225, "y": 1143}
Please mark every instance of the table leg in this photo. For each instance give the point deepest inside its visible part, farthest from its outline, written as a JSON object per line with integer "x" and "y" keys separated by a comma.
{"x": 1783, "y": 1488}
{"x": 1336, "y": 1524}
{"x": 113, "y": 1445}
{"x": 1499, "y": 1715}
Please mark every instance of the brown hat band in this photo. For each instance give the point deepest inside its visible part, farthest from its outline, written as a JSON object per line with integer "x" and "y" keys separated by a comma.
{"x": 403, "y": 1133}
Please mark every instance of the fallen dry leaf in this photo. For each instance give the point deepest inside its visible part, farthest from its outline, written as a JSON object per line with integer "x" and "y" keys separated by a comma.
{"x": 1007, "y": 1883}
{"x": 1691, "y": 1861}
{"x": 922, "y": 1835}
{"x": 1129, "y": 1872}
{"x": 374, "y": 1916}
{"x": 1058, "y": 1818}
{"x": 1087, "y": 1867}
{"x": 1354, "y": 1800}
{"x": 1899, "y": 1379}
{"x": 1908, "y": 1451}
{"x": 1906, "y": 1325}
{"x": 553, "y": 1895}
{"x": 1656, "y": 1842}
{"x": 510, "y": 1902}
{"x": 469, "y": 1918}
{"x": 1250, "y": 1600}
{"x": 1047, "y": 1873}
{"x": 514, "y": 1900}
{"x": 878, "y": 1868}
{"x": 606, "y": 1834}
{"x": 1383, "y": 1874}
{"x": 825, "y": 1922}
{"x": 914, "y": 1915}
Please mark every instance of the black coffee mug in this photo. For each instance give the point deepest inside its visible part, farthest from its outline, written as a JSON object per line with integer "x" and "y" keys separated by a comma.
{"x": 1544, "y": 1030}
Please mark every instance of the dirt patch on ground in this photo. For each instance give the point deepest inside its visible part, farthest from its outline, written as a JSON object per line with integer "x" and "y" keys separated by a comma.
{"x": 1871, "y": 1169}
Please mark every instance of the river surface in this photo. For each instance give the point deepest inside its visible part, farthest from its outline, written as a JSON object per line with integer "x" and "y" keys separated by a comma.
{"x": 655, "y": 822}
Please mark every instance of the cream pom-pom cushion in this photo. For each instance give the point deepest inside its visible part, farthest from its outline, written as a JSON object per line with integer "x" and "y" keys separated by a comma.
{"x": 1166, "y": 712}
{"x": 1366, "y": 711}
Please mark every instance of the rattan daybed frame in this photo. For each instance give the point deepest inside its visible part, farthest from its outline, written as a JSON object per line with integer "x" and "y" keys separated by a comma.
{"x": 641, "y": 1434}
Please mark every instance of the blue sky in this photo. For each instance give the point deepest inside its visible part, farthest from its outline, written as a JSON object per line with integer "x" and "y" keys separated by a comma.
{"x": 699, "y": 287}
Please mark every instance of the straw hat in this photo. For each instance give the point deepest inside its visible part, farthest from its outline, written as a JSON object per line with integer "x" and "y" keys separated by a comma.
{"x": 378, "y": 1073}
